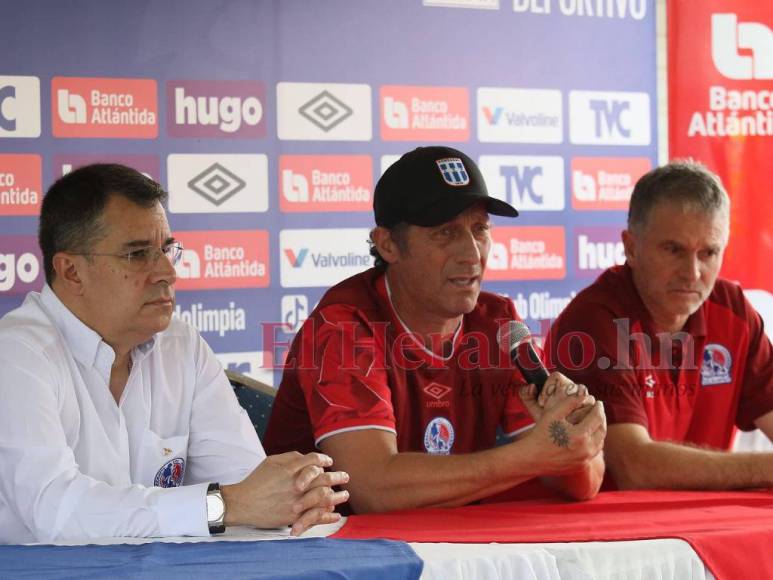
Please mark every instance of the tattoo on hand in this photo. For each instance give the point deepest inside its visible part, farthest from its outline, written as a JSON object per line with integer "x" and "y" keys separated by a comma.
{"x": 559, "y": 434}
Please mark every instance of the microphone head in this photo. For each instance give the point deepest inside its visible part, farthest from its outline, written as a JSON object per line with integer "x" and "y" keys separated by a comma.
{"x": 512, "y": 334}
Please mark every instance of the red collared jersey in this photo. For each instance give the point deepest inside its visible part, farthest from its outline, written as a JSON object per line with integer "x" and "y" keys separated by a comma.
{"x": 354, "y": 365}
{"x": 693, "y": 386}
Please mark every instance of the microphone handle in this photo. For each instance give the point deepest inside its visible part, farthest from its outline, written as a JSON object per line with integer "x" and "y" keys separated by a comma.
{"x": 528, "y": 362}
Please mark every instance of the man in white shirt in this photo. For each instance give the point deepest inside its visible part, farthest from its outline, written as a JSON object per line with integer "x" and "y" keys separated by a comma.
{"x": 115, "y": 418}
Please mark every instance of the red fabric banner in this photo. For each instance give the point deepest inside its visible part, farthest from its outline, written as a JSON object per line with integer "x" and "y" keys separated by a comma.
{"x": 720, "y": 78}
{"x": 732, "y": 532}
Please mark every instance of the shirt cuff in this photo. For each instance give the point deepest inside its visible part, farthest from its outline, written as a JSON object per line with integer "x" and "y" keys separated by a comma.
{"x": 182, "y": 511}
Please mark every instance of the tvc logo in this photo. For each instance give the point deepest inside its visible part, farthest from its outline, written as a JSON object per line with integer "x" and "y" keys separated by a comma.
{"x": 609, "y": 118}
{"x": 527, "y": 182}
{"x": 19, "y": 106}
{"x": 728, "y": 36}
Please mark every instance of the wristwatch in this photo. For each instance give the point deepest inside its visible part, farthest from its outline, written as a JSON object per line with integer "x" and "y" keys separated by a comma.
{"x": 215, "y": 509}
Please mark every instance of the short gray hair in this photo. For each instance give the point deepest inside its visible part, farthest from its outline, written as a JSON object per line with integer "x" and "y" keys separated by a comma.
{"x": 682, "y": 181}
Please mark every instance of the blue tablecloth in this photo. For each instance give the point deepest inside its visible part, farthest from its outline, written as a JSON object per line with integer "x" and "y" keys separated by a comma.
{"x": 308, "y": 558}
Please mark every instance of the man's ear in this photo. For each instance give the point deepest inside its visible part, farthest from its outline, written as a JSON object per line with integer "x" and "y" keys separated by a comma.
{"x": 629, "y": 245}
{"x": 68, "y": 272}
{"x": 385, "y": 244}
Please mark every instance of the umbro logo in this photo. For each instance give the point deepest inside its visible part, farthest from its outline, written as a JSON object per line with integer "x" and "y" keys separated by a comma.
{"x": 217, "y": 184}
{"x": 436, "y": 390}
{"x": 326, "y": 111}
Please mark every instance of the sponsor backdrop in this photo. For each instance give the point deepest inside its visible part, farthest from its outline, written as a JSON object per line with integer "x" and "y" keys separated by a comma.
{"x": 270, "y": 122}
{"x": 721, "y": 112}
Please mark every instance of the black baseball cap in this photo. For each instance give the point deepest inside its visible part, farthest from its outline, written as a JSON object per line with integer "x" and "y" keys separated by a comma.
{"x": 430, "y": 186}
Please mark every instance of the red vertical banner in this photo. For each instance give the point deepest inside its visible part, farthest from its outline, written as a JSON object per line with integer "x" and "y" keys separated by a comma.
{"x": 720, "y": 86}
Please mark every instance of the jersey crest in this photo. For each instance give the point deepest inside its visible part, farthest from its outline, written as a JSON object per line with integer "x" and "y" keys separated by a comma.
{"x": 439, "y": 436}
{"x": 717, "y": 365}
{"x": 171, "y": 473}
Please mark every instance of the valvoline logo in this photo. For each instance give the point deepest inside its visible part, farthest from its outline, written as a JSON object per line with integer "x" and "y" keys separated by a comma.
{"x": 296, "y": 260}
{"x": 336, "y": 253}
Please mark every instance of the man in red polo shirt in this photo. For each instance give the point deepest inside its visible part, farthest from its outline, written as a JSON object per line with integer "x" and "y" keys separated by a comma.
{"x": 397, "y": 373}
{"x": 679, "y": 357}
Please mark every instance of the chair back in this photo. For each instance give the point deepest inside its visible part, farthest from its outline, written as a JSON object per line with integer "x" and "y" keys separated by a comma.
{"x": 255, "y": 397}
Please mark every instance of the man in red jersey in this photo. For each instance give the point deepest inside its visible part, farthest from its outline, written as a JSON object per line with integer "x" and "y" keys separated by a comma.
{"x": 678, "y": 356}
{"x": 397, "y": 373}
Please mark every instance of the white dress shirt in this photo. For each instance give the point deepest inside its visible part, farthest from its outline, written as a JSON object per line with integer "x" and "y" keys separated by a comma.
{"x": 74, "y": 465}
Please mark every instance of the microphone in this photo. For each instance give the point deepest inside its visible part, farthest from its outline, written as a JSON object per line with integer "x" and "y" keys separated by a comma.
{"x": 515, "y": 338}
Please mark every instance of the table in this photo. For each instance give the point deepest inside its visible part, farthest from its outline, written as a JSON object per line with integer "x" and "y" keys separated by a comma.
{"x": 664, "y": 559}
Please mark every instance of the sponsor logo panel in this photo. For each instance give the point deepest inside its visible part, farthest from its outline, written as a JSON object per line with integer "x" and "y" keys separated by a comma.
{"x": 609, "y": 118}
{"x": 319, "y": 183}
{"x": 21, "y": 265}
{"x": 527, "y": 253}
{"x": 526, "y": 182}
{"x": 104, "y": 107}
{"x": 322, "y": 257}
{"x": 19, "y": 106}
{"x": 324, "y": 111}
{"x": 21, "y": 184}
{"x": 216, "y": 108}
{"x": 249, "y": 363}
{"x": 228, "y": 320}
{"x": 424, "y": 113}
{"x": 223, "y": 259}
{"x": 204, "y": 183}
{"x": 149, "y": 165}
{"x": 598, "y": 248}
{"x": 605, "y": 183}
{"x": 520, "y": 115}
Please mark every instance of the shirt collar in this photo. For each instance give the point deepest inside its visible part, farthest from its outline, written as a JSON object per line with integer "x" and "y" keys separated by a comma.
{"x": 382, "y": 286}
{"x": 86, "y": 344}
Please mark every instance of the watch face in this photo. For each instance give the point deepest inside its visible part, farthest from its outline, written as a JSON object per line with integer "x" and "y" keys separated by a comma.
{"x": 215, "y": 507}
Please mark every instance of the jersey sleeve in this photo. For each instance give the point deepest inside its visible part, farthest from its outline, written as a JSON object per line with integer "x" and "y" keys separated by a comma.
{"x": 757, "y": 387}
{"x": 347, "y": 388}
{"x": 582, "y": 344}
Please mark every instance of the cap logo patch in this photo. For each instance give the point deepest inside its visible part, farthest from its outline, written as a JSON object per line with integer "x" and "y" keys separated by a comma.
{"x": 453, "y": 171}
